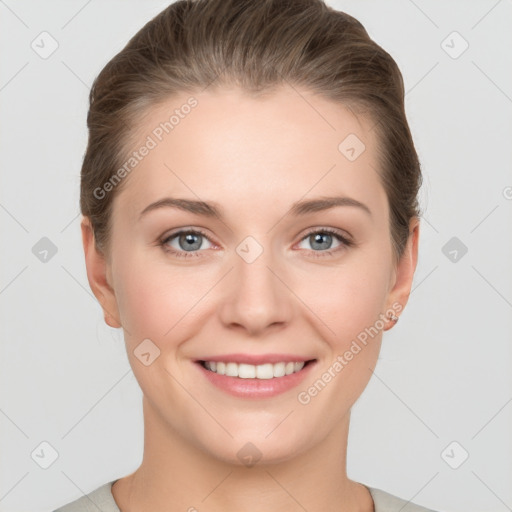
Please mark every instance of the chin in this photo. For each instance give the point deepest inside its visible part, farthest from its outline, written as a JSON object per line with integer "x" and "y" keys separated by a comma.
{"x": 252, "y": 447}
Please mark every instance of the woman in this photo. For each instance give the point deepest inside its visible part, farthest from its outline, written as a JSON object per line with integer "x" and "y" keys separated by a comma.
{"x": 250, "y": 219}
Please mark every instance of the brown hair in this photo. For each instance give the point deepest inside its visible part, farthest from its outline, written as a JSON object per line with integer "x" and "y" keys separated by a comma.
{"x": 256, "y": 45}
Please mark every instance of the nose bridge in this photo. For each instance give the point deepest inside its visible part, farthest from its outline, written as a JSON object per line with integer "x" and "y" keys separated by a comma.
{"x": 257, "y": 298}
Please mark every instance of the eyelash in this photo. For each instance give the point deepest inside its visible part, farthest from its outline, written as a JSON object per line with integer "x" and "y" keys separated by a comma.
{"x": 194, "y": 254}
{"x": 345, "y": 242}
{"x": 182, "y": 254}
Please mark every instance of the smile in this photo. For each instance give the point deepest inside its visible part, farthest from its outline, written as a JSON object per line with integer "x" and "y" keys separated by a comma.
{"x": 250, "y": 371}
{"x": 252, "y": 381}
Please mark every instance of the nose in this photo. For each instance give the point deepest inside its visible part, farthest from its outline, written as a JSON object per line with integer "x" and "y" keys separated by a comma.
{"x": 256, "y": 298}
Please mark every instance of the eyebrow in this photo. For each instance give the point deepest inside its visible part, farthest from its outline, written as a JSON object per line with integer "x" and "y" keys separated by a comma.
{"x": 214, "y": 210}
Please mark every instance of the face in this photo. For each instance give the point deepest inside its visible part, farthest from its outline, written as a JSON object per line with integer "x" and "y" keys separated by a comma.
{"x": 265, "y": 273}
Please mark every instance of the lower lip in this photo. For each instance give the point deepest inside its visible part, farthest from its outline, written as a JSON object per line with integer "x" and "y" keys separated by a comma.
{"x": 256, "y": 388}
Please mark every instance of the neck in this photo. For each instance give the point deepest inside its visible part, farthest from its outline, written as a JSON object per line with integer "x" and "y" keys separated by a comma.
{"x": 177, "y": 476}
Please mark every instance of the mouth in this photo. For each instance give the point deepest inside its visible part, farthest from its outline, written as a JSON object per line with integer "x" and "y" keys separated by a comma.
{"x": 271, "y": 376}
{"x": 264, "y": 371}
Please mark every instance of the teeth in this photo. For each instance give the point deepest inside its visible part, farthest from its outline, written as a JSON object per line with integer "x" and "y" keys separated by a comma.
{"x": 250, "y": 371}
{"x": 246, "y": 371}
{"x": 231, "y": 369}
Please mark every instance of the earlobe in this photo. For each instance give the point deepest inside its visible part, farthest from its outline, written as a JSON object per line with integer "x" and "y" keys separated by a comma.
{"x": 97, "y": 267}
{"x": 399, "y": 294}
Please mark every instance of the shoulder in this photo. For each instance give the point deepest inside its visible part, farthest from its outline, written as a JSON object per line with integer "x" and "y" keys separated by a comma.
{"x": 99, "y": 499}
{"x": 385, "y": 502}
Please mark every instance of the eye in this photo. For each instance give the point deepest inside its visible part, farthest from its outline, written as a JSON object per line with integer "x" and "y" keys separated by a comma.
{"x": 185, "y": 243}
{"x": 188, "y": 243}
{"x": 321, "y": 240}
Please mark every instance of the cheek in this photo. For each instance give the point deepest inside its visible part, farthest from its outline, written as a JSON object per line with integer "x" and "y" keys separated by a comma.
{"x": 152, "y": 297}
{"x": 348, "y": 298}
{"x": 348, "y": 303}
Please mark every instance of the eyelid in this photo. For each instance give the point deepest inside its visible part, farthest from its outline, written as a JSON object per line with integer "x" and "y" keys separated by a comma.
{"x": 179, "y": 231}
{"x": 344, "y": 238}
{"x": 344, "y": 235}
{"x": 163, "y": 241}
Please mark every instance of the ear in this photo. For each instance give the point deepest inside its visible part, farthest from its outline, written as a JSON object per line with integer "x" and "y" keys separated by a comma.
{"x": 404, "y": 272}
{"x": 98, "y": 275}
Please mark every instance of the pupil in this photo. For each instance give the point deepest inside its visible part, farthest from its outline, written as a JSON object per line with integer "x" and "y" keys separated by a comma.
{"x": 191, "y": 241}
{"x": 318, "y": 238}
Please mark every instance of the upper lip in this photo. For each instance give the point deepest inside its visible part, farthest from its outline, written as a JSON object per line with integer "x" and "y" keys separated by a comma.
{"x": 256, "y": 359}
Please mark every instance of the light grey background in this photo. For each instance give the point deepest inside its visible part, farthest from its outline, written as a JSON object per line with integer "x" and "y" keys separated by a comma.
{"x": 445, "y": 370}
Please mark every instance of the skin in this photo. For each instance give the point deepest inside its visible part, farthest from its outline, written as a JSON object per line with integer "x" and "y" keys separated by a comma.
{"x": 255, "y": 157}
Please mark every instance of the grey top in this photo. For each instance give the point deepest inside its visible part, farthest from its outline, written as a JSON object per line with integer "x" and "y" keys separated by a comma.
{"x": 102, "y": 500}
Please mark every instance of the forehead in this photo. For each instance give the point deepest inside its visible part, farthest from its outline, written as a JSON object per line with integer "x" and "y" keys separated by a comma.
{"x": 225, "y": 145}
